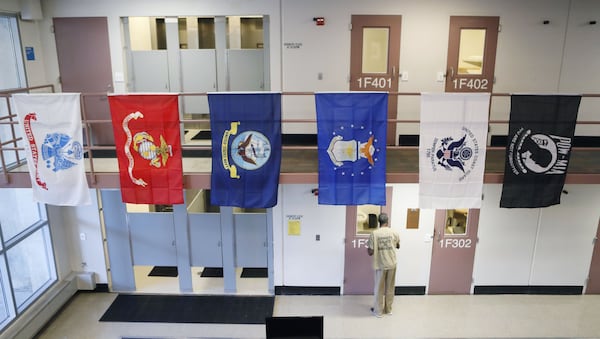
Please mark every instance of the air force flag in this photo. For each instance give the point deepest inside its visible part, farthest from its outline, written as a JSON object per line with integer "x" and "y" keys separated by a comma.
{"x": 53, "y": 133}
{"x": 246, "y": 148}
{"x": 351, "y": 135}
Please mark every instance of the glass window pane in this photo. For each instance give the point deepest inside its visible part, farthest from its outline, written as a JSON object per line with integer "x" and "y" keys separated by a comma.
{"x": 147, "y": 33}
{"x": 6, "y": 308}
{"x": 18, "y": 211}
{"x": 251, "y": 32}
{"x": 375, "y": 50}
{"x": 206, "y": 33}
{"x": 470, "y": 53}
{"x": 198, "y": 201}
{"x": 182, "y": 29}
{"x": 30, "y": 265}
{"x": 366, "y": 218}
{"x": 244, "y": 32}
{"x": 456, "y": 221}
{"x": 11, "y": 67}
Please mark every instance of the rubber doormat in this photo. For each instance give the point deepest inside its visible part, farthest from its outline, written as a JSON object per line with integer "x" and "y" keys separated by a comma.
{"x": 217, "y": 309}
{"x": 212, "y": 272}
{"x": 163, "y": 271}
{"x": 254, "y": 272}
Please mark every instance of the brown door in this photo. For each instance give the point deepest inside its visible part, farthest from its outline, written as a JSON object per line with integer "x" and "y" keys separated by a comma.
{"x": 375, "y": 59}
{"x": 453, "y": 251}
{"x": 84, "y": 65}
{"x": 593, "y": 285}
{"x": 471, "y": 53}
{"x": 358, "y": 267}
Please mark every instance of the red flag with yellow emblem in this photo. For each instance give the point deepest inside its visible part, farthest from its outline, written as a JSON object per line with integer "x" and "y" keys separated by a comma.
{"x": 146, "y": 128}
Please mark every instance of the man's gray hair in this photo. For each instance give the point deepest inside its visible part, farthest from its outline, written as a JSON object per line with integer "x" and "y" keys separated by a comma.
{"x": 383, "y": 218}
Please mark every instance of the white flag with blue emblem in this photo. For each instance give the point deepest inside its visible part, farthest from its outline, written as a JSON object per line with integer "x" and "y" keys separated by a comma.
{"x": 53, "y": 137}
{"x": 452, "y": 146}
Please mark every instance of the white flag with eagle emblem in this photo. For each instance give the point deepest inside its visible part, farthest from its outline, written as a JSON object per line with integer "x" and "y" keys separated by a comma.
{"x": 452, "y": 146}
{"x": 51, "y": 124}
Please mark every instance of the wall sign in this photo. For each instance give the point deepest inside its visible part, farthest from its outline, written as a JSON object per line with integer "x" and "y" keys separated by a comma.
{"x": 292, "y": 45}
{"x": 29, "y": 53}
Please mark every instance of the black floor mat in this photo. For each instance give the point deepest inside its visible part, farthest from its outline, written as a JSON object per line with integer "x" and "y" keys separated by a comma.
{"x": 202, "y": 135}
{"x": 163, "y": 271}
{"x": 254, "y": 272}
{"x": 212, "y": 272}
{"x": 218, "y": 309}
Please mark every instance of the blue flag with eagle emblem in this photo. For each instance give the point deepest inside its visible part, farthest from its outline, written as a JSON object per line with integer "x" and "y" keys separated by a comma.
{"x": 452, "y": 147}
{"x": 351, "y": 133}
{"x": 246, "y": 148}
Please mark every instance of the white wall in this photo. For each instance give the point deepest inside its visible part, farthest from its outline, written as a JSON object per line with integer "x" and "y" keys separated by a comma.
{"x": 82, "y": 229}
{"x": 566, "y": 238}
{"x": 504, "y": 252}
{"x": 304, "y": 260}
{"x": 548, "y": 246}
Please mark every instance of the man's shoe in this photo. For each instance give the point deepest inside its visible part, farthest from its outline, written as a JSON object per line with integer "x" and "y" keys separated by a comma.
{"x": 375, "y": 314}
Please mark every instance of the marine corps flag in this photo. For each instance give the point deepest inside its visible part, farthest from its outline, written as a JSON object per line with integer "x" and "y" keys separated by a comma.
{"x": 540, "y": 136}
{"x": 146, "y": 128}
{"x": 53, "y": 136}
{"x": 246, "y": 148}
{"x": 351, "y": 136}
{"x": 452, "y": 142}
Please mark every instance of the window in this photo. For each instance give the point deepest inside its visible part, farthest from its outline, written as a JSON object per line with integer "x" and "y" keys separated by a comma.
{"x": 11, "y": 67}
{"x": 15, "y": 219}
{"x": 456, "y": 221}
{"x": 27, "y": 266}
{"x": 12, "y": 76}
{"x": 366, "y": 218}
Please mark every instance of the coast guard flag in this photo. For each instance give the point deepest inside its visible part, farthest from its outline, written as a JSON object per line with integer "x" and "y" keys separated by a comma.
{"x": 146, "y": 128}
{"x": 540, "y": 134}
{"x": 53, "y": 136}
{"x": 351, "y": 135}
{"x": 452, "y": 146}
{"x": 246, "y": 148}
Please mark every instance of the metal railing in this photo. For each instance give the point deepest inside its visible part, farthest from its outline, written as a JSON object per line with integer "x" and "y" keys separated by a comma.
{"x": 11, "y": 145}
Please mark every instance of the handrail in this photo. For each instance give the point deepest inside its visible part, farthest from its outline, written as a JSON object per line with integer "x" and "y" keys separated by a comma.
{"x": 26, "y": 89}
{"x": 88, "y": 123}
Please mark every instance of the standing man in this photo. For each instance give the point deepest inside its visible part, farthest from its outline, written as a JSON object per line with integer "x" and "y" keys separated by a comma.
{"x": 381, "y": 246}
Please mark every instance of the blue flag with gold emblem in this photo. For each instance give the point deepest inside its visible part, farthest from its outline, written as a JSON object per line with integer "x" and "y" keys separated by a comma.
{"x": 351, "y": 133}
{"x": 246, "y": 148}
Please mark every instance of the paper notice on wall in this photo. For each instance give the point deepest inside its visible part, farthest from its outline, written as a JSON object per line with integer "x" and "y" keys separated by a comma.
{"x": 293, "y": 227}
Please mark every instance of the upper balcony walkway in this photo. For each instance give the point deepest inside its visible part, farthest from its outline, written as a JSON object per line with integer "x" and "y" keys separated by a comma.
{"x": 299, "y": 162}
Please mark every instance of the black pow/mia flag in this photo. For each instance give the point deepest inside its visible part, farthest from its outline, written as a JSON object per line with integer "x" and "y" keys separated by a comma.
{"x": 540, "y": 136}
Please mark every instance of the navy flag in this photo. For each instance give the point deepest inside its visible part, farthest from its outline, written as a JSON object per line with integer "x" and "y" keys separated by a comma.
{"x": 351, "y": 136}
{"x": 246, "y": 148}
{"x": 540, "y": 136}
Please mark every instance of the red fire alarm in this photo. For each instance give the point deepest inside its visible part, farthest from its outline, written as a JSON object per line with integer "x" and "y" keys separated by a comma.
{"x": 319, "y": 20}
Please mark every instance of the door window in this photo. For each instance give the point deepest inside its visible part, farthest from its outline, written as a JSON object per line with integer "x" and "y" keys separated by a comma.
{"x": 375, "y": 49}
{"x": 471, "y": 53}
{"x": 366, "y": 218}
{"x": 456, "y": 222}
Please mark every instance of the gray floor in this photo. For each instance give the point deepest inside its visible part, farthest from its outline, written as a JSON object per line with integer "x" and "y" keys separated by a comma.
{"x": 466, "y": 316}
